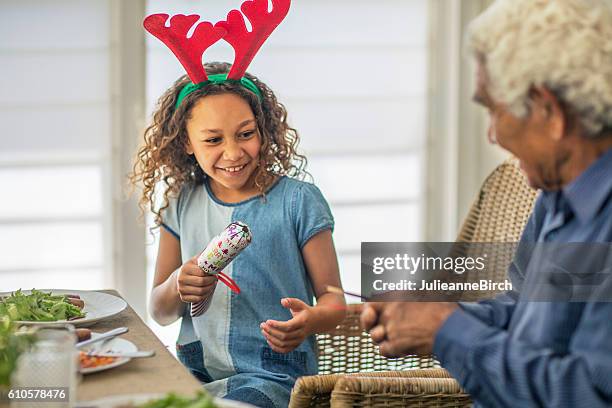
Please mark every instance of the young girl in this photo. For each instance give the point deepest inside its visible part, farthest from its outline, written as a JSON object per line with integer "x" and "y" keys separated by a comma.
{"x": 226, "y": 153}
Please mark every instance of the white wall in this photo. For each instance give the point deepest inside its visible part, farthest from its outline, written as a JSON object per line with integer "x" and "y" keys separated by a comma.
{"x": 459, "y": 156}
{"x": 55, "y": 115}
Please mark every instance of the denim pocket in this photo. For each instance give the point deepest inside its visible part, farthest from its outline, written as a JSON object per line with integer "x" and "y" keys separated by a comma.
{"x": 292, "y": 363}
{"x": 192, "y": 357}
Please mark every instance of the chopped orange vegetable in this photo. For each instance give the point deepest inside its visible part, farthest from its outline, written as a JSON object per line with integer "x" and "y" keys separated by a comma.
{"x": 92, "y": 361}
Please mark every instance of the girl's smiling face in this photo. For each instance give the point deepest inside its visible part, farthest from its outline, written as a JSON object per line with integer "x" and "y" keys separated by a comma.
{"x": 224, "y": 138}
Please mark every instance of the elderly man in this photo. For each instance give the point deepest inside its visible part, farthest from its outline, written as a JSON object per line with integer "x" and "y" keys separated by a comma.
{"x": 545, "y": 76}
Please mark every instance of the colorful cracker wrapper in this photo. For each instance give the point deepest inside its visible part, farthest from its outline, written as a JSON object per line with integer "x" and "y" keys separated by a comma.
{"x": 219, "y": 252}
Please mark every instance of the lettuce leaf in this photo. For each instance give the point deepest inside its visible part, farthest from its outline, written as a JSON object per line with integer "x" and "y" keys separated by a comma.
{"x": 38, "y": 307}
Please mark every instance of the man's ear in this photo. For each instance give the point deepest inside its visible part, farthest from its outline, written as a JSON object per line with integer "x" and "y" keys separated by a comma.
{"x": 546, "y": 107}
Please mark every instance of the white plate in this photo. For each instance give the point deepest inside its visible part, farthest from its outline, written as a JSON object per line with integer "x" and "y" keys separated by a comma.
{"x": 123, "y": 400}
{"x": 116, "y": 344}
{"x": 98, "y": 306}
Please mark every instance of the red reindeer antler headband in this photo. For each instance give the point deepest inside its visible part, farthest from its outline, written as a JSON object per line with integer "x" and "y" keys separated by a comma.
{"x": 189, "y": 51}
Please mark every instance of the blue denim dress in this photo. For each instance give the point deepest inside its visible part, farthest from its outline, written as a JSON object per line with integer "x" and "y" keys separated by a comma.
{"x": 224, "y": 348}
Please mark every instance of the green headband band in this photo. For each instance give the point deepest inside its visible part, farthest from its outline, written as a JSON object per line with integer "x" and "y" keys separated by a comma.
{"x": 216, "y": 79}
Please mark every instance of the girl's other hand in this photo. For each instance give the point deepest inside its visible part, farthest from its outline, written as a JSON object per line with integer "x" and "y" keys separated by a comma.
{"x": 284, "y": 337}
{"x": 193, "y": 284}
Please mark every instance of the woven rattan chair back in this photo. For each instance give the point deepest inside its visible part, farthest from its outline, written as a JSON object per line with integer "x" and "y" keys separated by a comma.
{"x": 502, "y": 207}
{"x": 348, "y": 349}
{"x": 350, "y": 392}
{"x": 497, "y": 219}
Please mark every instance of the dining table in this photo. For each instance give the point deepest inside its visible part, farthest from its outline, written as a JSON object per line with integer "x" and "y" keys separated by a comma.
{"x": 159, "y": 374}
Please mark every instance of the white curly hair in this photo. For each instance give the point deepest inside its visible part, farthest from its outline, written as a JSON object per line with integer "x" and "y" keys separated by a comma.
{"x": 564, "y": 45}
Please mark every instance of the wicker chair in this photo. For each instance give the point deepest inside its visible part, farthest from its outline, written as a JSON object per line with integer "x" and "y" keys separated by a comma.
{"x": 352, "y": 371}
{"x": 501, "y": 208}
{"x": 398, "y": 392}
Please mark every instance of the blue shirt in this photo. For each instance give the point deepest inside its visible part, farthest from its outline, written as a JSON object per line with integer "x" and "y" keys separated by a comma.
{"x": 512, "y": 352}
{"x": 224, "y": 347}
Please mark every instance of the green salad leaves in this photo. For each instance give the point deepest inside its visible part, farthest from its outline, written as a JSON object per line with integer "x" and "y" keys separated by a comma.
{"x": 202, "y": 400}
{"x": 13, "y": 342}
{"x": 39, "y": 307}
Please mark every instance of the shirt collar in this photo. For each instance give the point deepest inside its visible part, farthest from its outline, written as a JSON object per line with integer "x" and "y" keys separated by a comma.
{"x": 589, "y": 191}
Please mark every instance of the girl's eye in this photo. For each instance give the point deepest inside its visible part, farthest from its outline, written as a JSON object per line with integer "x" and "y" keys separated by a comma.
{"x": 213, "y": 140}
{"x": 247, "y": 134}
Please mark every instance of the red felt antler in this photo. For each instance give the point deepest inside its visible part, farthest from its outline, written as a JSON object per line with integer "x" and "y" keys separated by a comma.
{"x": 189, "y": 51}
{"x": 245, "y": 43}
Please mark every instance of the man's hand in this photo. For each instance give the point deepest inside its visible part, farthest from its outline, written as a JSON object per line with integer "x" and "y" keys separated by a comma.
{"x": 402, "y": 328}
{"x": 193, "y": 284}
{"x": 284, "y": 337}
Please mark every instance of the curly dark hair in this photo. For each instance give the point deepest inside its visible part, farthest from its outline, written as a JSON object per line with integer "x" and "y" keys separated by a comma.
{"x": 162, "y": 157}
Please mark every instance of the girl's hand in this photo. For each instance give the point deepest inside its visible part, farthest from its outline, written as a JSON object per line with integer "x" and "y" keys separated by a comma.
{"x": 193, "y": 284}
{"x": 284, "y": 337}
